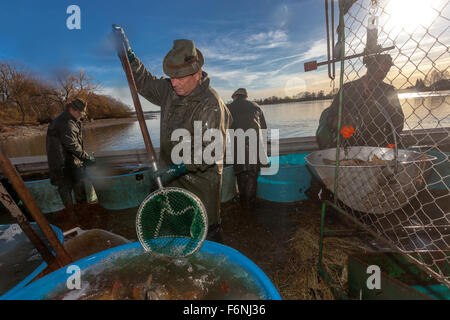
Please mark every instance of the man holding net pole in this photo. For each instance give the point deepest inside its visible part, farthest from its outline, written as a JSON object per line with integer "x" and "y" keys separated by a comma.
{"x": 186, "y": 99}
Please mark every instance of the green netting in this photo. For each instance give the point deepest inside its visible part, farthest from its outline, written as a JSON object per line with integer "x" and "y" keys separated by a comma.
{"x": 171, "y": 222}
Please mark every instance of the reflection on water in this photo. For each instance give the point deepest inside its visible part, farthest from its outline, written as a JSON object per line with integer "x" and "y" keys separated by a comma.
{"x": 300, "y": 119}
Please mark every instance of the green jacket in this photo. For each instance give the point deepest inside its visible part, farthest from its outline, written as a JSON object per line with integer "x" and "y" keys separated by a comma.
{"x": 246, "y": 115}
{"x": 64, "y": 144}
{"x": 361, "y": 111}
{"x": 203, "y": 104}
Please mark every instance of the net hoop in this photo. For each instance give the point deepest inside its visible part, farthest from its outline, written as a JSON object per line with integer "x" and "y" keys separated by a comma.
{"x": 139, "y": 225}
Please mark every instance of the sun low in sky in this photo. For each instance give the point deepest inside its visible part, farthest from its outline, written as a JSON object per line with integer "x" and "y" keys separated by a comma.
{"x": 257, "y": 44}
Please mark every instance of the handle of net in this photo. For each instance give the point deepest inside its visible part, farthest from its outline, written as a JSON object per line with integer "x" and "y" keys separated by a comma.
{"x": 121, "y": 51}
{"x": 170, "y": 173}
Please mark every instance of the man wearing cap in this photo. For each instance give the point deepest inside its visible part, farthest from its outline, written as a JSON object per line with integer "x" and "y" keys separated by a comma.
{"x": 246, "y": 115}
{"x": 366, "y": 104}
{"x": 66, "y": 154}
{"x": 185, "y": 97}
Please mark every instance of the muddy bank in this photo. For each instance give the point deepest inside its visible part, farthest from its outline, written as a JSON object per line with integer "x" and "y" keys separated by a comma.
{"x": 8, "y": 132}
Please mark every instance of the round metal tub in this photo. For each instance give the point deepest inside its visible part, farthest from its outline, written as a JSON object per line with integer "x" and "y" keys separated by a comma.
{"x": 373, "y": 188}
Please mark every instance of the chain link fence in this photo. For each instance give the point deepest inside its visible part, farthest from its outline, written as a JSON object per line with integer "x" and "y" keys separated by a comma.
{"x": 394, "y": 171}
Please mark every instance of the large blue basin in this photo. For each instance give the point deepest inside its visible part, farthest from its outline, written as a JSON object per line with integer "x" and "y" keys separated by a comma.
{"x": 42, "y": 287}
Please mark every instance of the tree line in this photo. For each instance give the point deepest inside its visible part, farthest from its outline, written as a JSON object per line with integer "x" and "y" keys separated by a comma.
{"x": 433, "y": 81}
{"x": 26, "y": 98}
{"x": 303, "y": 96}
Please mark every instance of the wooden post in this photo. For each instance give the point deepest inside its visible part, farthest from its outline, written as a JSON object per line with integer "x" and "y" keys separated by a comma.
{"x": 22, "y": 221}
{"x": 62, "y": 256}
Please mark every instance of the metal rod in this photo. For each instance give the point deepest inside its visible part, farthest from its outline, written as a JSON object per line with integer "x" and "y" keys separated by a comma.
{"x": 322, "y": 223}
{"x": 341, "y": 94}
{"x": 140, "y": 115}
{"x": 22, "y": 221}
{"x": 332, "y": 37}
{"x": 352, "y": 56}
{"x": 328, "y": 38}
{"x": 62, "y": 256}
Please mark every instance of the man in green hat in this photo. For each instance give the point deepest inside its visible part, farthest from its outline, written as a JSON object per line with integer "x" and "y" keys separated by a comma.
{"x": 184, "y": 98}
{"x": 247, "y": 115}
{"x": 66, "y": 154}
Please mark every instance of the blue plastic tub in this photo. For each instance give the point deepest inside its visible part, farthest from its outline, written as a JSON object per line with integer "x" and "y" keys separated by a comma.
{"x": 14, "y": 246}
{"x": 290, "y": 183}
{"x": 42, "y": 287}
{"x": 125, "y": 191}
{"x": 440, "y": 171}
{"x": 47, "y": 197}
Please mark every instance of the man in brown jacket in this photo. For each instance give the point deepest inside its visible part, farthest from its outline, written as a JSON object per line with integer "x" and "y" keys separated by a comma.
{"x": 185, "y": 97}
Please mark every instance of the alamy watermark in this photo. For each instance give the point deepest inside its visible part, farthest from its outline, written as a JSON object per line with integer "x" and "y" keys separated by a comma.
{"x": 74, "y": 280}
{"x": 74, "y": 20}
{"x": 374, "y": 280}
{"x": 207, "y": 146}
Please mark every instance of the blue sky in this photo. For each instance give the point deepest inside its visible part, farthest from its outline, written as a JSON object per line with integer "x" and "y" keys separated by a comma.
{"x": 257, "y": 44}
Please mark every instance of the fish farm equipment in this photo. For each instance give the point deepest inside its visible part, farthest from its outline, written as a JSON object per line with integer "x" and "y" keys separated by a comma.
{"x": 119, "y": 189}
{"x": 395, "y": 190}
{"x": 289, "y": 184}
{"x": 214, "y": 272}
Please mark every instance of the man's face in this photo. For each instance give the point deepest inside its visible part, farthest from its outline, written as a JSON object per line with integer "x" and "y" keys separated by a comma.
{"x": 75, "y": 113}
{"x": 379, "y": 72}
{"x": 185, "y": 85}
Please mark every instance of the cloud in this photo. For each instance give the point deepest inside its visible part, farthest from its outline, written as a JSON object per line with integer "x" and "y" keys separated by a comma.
{"x": 266, "y": 40}
{"x": 227, "y": 56}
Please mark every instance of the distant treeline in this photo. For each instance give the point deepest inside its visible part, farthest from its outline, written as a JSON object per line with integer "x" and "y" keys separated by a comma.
{"x": 303, "y": 96}
{"x": 433, "y": 81}
{"x": 26, "y": 98}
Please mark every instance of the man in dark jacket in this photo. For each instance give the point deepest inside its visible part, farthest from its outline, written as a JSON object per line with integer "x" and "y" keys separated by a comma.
{"x": 66, "y": 154}
{"x": 368, "y": 107}
{"x": 186, "y": 97}
{"x": 246, "y": 115}
{"x": 366, "y": 104}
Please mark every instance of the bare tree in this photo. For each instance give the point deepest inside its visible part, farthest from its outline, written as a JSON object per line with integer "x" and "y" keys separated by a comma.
{"x": 17, "y": 87}
{"x": 70, "y": 85}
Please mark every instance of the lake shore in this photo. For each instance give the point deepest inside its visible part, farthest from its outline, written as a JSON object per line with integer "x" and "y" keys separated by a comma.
{"x": 9, "y": 132}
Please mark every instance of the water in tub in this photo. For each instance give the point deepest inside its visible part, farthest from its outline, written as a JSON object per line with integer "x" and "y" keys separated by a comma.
{"x": 18, "y": 257}
{"x": 138, "y": 275}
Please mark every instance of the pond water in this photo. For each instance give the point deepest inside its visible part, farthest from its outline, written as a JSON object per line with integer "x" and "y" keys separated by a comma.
{"x": 298, "y": 119}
